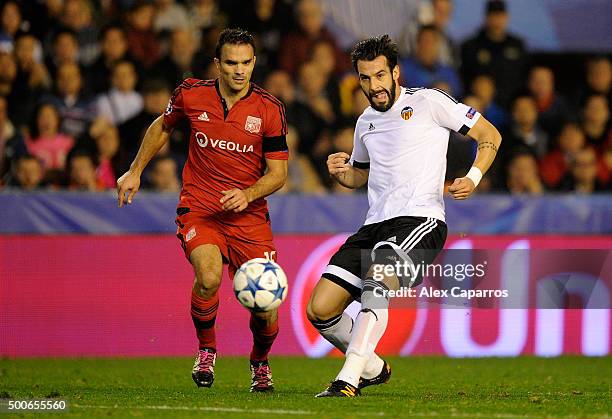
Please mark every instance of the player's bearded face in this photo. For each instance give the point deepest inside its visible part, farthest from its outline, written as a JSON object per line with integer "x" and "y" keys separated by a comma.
{"x": 378, "y": 83}
{"x": 382, "y": 98}
{"x": 236, "y": 66}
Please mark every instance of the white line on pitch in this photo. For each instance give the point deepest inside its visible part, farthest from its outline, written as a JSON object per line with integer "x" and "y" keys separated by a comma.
{"x": 307, "y": 412}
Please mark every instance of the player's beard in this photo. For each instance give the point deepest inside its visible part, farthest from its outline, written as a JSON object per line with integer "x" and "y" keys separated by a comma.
{"x": 390, "y": 95}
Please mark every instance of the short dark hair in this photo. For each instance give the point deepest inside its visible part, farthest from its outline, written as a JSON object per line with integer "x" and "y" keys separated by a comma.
{"x": 80, "y": 151}
{"x": 426, "y": 28}
{"x": 33, "y": 123}
{"x": 64, "y": 31}
{"x": 154, "y": 85}
{"x": 369, "y": 49}
{"x": 113, "y": 26}
{"x": 234, "y": 36}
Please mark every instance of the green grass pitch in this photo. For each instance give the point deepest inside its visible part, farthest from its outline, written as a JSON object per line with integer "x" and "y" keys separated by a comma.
{"x": 420, "y": 387}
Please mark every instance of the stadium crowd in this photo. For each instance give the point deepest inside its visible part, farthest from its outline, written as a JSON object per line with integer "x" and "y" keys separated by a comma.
{"x": 81, "y": 80}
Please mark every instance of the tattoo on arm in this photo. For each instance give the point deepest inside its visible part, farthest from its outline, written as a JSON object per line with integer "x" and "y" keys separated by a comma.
{"x": 487, "y": 144}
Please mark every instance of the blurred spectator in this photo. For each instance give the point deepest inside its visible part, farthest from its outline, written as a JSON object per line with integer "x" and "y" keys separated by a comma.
{"x": 163, "y": 175}
{"x": 583, "y": 173}
{"x": 210, "y": 71}
{"x": 29, "y": 63}
{"x": 76, "y": 108}
{"x": 302, "y": 177}
{"x": 31, "y": 81}
{"x": 424, "y": 67}
{"x": 178, "y": 64}
{"x": 46, "y": 17}
{"x": 81, "y": 171}
{"x": 607, "y": 159}
{"x": 522, "y": 174}
{"x": 598, "y": 79}
{"x": 483, "y": 87}
{"x": 311, "y": 84}
{"x": 496, "y": 52}
{"x": 78, "y": 17}
{"x": 10, "y": 23}
{"x": 310, "y": 125}
{"x": 342, "y": 140}
{"x": 155, "y": 99}
{"x": 323, "y": 57}
{"x": 268, "y": 21}
{"x": 442, "y": 13}
{"x": 442, "y": 85}
{"x": 45, "y": 141}
{"x": 474, "y": 102}
{"x": 596, "y": 121}
{"x": 102, "y": 141}
{"x": 122, "y": 101}
{"x": 553, "y": 108}
{"x": 296, "y": 46}
{"x": 65, "y": 50}
{"x": 8, "y": 73}
{"x": 27, "y": 173}
{"x": 11, "y": 142}
{"x": 554, "y": 165}
{"x": 203, "y": 15}
{"x": 114, "y": 48}
{"x": 169, "y": 16}
{"x": 360, "y": 102}
{"x": 524, "y": 129}
{"x": 142, "y": 41}
{"x": 436, "y": 13}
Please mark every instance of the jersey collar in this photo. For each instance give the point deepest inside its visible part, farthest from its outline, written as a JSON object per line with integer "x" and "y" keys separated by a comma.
{"x": 251, "y": 86}
{"x": 395, "y": 104}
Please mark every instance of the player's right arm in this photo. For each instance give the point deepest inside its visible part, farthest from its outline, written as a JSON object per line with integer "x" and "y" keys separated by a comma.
{"x": 346, "y": 174}
{"x": 153, "y": 140}
{"x": 351, "y": 171}
{"x": 156, "y": 136}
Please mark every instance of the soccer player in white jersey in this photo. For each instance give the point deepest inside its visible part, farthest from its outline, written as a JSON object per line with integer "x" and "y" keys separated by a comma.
{"x": 399, "y": 150}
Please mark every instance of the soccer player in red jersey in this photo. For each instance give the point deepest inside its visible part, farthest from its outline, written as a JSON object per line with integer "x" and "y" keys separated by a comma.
{"x": 237, "y": 156}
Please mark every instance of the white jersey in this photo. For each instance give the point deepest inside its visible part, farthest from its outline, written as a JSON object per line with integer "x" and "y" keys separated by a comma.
{"x": 405, "y": 150}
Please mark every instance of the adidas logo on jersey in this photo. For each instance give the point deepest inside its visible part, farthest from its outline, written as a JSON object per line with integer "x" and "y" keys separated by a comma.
{"x": 371, "y": 127}
{"x": 392, "y": 239}
{"x": 203, "y": 117}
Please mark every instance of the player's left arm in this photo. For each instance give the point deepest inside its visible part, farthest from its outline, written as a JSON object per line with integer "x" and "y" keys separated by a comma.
{"x": 237, "y": 200}
{"x": 489, "y": 140}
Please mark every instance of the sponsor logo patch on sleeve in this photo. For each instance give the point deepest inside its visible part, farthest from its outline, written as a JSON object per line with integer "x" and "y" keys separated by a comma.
{"x": 190, "y": 234}
{"x": 470, "y": 113}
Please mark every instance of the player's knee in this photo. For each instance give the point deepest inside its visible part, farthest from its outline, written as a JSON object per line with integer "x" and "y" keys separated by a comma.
{"x": 208, "y": 281}
{"x": 317, "y": 310}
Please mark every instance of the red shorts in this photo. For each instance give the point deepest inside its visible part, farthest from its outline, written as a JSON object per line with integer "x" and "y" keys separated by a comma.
{"x": 236, "y": 243}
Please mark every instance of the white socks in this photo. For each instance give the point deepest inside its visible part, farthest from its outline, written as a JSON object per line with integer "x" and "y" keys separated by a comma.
{"x": 369, "y": 328}
{"x": 337, "y": 331}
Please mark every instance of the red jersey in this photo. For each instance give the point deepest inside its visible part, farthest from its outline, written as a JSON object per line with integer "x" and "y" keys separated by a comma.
{"x": 227, "y": 149}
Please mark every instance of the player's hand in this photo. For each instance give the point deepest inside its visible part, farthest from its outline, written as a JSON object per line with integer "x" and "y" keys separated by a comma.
{"x": 234, "y": 200}
{"x": 337, "y": 163}
{"x": 128, "y": 183}
{"x": 461, "y": 188}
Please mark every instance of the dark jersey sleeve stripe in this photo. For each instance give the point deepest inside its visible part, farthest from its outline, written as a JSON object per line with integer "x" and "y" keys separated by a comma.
{"x": 271, "y": 144}
{"x": 281, "y": 107}
{"x": 464, "y": 130}
{"x": 445, "y": 94}
{"x": 361, "y": 165}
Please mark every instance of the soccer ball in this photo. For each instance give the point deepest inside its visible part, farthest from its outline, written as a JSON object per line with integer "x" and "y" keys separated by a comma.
{"x": 260, "y": 285}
